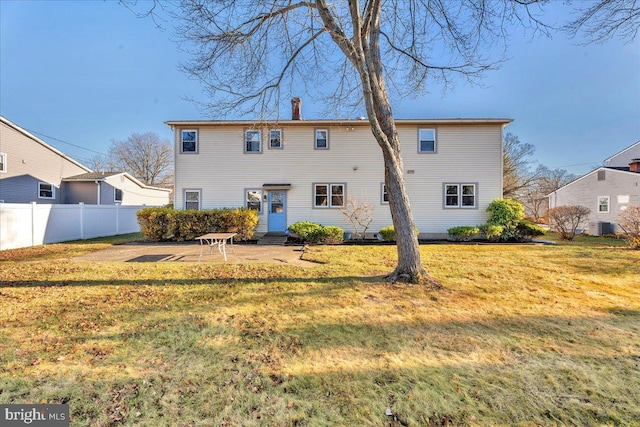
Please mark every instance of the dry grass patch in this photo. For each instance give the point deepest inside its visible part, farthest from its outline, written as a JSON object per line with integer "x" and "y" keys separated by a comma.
{"x": 522, "y": 335}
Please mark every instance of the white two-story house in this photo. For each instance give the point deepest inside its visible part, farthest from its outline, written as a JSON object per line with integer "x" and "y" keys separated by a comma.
{"x": 304, "y": 170}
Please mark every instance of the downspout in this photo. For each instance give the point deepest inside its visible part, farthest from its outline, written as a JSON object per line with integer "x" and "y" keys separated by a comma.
{"x": 98, "y": 182}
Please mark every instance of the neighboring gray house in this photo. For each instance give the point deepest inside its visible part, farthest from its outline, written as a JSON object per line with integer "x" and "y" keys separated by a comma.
{"x": 110, "y": 188}
{"x": 30, "y": 169}
{"x": 607, "y": 191}
{"x": 33, "y": 171}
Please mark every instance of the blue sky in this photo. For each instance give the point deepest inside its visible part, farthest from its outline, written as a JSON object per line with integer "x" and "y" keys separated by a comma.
{"x": 88, "y": 72}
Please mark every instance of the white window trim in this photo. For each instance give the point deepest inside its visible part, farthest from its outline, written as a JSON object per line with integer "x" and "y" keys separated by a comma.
{"x": 246, "y": 198}
{"x": 281, "y": 139}
{"x": 53, "y": 191}
{"x": 191, "y": 190}
{"x": 246, "y": 131}
{"x": 382, "y": 193}
{"x": 460, "y": 195}
{"x": 115, "y": 198}
{"x": 608, "y": 204}
{"x": 197, "y": 147}
{"x": 330, "y": 186}
{"x": 4, "y": 162}
{"x": 315, "y": 138}
{"x": 435, "y": 141}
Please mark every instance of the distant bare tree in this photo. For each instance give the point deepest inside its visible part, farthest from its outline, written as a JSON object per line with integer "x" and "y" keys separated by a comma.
{"x": 516, "y": 170}
{"x": 103, "y": 163}
{"x": 534, "y": 196}
{"x": 146, "y": 156}
{"x": 601, "y": 20}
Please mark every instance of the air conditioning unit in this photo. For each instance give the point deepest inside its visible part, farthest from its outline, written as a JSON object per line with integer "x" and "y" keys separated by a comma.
{"x": 599, "y": 228}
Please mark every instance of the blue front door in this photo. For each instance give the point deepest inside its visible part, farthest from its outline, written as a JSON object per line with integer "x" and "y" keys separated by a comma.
{"x": 277, "y": 211}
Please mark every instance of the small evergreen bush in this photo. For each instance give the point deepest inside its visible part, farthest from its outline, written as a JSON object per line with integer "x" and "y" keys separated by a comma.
{"x": 311, "y": 232}
{"x": 526, "y": 230}
{"x": 491, "y": 232}
{"x": 388, "y": 234}
{"x": 463, "y": 233}
{"x": 507, "y": 213}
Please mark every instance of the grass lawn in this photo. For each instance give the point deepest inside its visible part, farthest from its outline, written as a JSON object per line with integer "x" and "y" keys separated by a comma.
{"x": 522, "y": 335}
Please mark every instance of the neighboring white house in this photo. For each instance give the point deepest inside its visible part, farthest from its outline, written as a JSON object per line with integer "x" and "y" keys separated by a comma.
{"x": 112, "y": 188}
{"x": 303, "y": 170}
{"x": 606, "y": 191}
{"x": 30, "y": 169}
{"x": 33, "y": 171}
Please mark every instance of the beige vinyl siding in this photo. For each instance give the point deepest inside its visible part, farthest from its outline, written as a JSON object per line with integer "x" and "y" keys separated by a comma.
{"x": 466, "y": 153}
{"x": 29, "y": 162}
{"x": 132, "y": 193}
{"x": 586, "y": 190}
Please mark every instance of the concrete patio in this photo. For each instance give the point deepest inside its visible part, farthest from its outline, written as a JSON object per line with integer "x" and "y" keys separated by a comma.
{"x": 190, "y": 252}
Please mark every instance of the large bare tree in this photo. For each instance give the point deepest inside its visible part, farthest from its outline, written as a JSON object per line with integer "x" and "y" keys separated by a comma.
{"x": 246, "y": 53}
{"x": 146, "y": 156}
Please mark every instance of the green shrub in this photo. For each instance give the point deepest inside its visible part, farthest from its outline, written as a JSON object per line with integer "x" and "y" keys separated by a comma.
{"x": 491, "y": 232}
{"x": 332, "y": 234}
{"x": 160, "y": 224}
{"x": 463, "y": 233}
{"x": 526, "y": 230}
{"x": 388, "y": 234}
{"x": 310, "y": 232}
{"x": 506, "y": 213}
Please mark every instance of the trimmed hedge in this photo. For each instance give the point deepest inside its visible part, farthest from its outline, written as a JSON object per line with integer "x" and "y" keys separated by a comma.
{"x": 168, "y": 224}
{"x": 310, "y": 232}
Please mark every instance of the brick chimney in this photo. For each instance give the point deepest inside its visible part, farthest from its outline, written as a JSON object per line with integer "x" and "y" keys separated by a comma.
{"x": 296, "y": 106}
{"x": 634, "y": 166}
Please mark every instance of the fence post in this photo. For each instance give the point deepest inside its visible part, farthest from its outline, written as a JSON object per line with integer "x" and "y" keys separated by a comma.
{"x": 117, "y": 219}
{"x": 33, "y": 223}
{"x": 81, "y": 220}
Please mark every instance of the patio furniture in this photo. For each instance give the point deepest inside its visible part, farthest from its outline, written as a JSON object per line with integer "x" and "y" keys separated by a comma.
{"x": 216, "y": 240}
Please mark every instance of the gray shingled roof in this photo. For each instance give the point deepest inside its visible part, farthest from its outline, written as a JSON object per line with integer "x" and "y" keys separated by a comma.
{"x": 90, "y": 176}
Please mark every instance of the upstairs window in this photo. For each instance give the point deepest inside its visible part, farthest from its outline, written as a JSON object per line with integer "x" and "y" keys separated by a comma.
{"x": 252, "y": 141}
{"x": 427, "y": 141}
{"x": 253, "y": 200}
{"x": 192, "y": 199}
{"x": 328, "y": 195}
{"x": 460, "y": 196}
{"x": 275, "y": 138}
{"x": 602, "y": 175}
{"x": 189, "y": 141}
{"x": 3, "y": 162}
{"x": 117, "y": 195}
{"x": 603, "y": 204}
{"x": 322, "y": 139}
{"x": 46, "y": 191}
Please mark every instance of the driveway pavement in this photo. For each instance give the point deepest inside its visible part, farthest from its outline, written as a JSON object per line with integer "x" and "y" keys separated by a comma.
{"x": 190, "y": 252}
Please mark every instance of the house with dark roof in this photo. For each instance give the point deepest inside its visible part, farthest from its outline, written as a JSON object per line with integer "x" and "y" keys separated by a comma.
{"x": 606, "y": 191}
{"x": 33, "y": 171}
{"x": 110, "y": 188}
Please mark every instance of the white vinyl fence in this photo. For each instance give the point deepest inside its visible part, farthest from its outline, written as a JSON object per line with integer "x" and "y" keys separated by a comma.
{"x": 32, "y": 224}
